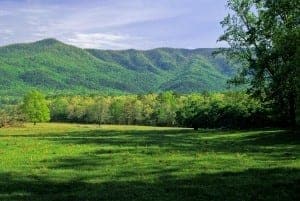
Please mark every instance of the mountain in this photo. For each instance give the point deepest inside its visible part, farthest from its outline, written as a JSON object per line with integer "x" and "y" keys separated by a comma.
{"x": 55, "y": 67}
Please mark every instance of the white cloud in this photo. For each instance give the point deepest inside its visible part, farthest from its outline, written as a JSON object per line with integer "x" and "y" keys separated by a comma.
{"x": 101, "y": 17}
{"x": 112, "y": 24}
{"x": 99, "y": 40}
{"x": 8, "y": 32}
{"x": 34, "y": 10}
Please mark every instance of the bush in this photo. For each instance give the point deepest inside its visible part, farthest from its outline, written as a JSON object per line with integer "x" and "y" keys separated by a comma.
{"x": 11, "y": 116}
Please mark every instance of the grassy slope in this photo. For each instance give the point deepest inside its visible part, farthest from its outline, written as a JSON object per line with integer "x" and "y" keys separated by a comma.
{"x": 53, "y": 66}
{"x": 85, "y": 162}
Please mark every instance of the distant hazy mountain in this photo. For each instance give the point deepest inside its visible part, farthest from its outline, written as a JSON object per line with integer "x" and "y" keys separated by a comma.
{"x": 53, "y": 66}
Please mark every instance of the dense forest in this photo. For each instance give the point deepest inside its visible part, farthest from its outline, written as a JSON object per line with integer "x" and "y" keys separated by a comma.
{"x": 54, "y": 67}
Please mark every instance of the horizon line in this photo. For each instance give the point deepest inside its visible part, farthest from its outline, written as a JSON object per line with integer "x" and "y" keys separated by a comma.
{"x": 54, "y": 39}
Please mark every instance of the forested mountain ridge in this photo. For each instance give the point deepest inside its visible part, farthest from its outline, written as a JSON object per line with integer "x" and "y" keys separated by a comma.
{"x": 53, "y": 66}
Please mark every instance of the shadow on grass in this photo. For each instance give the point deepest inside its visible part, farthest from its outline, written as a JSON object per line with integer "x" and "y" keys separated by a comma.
{"x": 273, "y": 138}
{"x": 115, "y": 147}
{"x": 253, "y": 184}
{"x": 189, "y": 141}
{"x": 183, "y": 140}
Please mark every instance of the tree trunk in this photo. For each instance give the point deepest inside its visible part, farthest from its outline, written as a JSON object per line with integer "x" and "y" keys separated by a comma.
{"x": 298, "y": 100}
{"x": 292, "y": 109}
{"x": 99, "y": 121}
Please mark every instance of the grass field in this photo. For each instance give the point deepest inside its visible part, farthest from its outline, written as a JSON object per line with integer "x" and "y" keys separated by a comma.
{"x": 85, "y": 162}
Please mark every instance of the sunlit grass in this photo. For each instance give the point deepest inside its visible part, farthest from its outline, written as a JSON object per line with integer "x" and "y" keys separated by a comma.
{"x": 112, "y": 162}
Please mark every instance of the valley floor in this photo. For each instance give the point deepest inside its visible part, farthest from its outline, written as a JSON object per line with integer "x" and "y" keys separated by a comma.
{"x": 86, "y": 162}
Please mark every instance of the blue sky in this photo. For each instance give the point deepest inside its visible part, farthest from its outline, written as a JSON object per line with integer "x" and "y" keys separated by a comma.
{"x": 114, "y": 24}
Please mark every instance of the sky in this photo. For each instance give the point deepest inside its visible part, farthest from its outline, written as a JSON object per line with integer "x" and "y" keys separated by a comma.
{"x": 114, "y": 24}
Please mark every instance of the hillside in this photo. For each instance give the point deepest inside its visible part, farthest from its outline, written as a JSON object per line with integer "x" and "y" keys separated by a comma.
{"x": 55, "y": 67}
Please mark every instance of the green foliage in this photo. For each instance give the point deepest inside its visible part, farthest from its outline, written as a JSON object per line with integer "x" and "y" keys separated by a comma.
{"x": 98, "y": 111}
{"x": 265, "y": 37}
{"x": 11, "y": 115}
{"x": 206, "y": 110}
{"x": 215, "y": 110}
{"x": 35, "y": 107}
{"x": 58, "y": 109}
{"x": 166, "y": 108}
{"x": 74, "y": 162}
{"x": 57, "y": 68}
{"x": 297, "y": 62}
{"x": 230, "y": 110}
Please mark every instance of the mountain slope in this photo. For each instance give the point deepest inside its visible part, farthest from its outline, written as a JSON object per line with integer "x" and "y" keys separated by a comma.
{"x": 53, "y": 66}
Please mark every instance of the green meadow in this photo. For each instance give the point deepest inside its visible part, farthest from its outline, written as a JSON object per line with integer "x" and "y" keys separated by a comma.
{"x": 86, "y": 162}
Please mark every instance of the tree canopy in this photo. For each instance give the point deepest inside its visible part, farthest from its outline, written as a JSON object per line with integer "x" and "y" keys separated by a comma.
{"x": 264, "y": 37}
{"x": 35, "y": 107}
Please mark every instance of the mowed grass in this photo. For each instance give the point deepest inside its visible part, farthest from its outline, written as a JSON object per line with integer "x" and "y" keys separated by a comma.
{"x": 87, "y": 162}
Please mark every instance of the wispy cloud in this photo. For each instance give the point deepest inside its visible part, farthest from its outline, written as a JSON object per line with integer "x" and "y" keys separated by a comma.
{"x": 6, "y": 32}
{"x": 114, "y": 24}
{"x": 100, "y": 40}
{"x": 33, "y": 10}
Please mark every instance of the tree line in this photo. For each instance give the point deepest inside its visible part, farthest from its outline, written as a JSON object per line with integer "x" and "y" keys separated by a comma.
{"x": 228, "y": 110}
{"x": 207, "y": 110}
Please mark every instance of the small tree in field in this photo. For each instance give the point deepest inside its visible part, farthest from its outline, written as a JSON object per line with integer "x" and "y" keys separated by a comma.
{"x": 35, "y": 107}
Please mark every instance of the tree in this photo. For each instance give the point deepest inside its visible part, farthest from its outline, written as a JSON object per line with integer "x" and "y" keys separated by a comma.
{"x": 77, "y": 108}
{"x": 35, "y": 107}
{"x": 99, "y": 111}
{"x": 148, "y": 109}
{"x": 264, "y": 37}
{"x": 166, "y": 109}
{"x": 298, "y": 88}
{"x": 58, "y": 108}
{"x": 133, "y": 110}
{"x": 117, "y": 110}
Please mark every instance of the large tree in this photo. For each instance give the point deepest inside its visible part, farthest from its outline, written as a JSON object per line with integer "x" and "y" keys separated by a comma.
{"x": 263, "y": 36}
{"x": 35, "y": 107}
